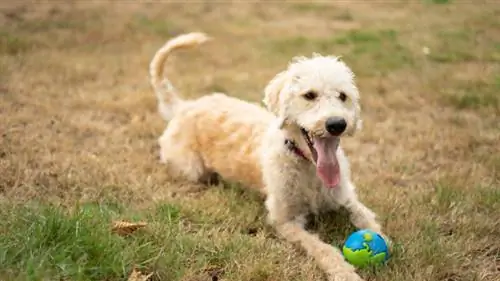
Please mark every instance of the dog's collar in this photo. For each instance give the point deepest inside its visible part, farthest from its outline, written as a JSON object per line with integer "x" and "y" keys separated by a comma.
{"x": 290, "y": 144}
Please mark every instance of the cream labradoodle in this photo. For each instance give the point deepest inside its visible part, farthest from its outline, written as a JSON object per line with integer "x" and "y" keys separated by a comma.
{"x": 290, "y": 152}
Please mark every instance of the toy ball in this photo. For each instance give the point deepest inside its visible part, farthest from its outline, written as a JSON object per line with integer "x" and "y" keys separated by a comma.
{"x": 365, "y": 247}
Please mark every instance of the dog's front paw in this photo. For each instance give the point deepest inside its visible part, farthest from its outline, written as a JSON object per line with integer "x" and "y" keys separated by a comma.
{"x": 388, "y": 241}
{"x": 345, "y": 276}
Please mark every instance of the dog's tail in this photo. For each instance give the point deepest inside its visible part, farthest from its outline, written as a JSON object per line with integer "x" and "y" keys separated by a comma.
{"x": 168, "y": 99}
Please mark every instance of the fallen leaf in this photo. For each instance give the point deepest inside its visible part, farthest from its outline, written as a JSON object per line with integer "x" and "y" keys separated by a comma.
{"x": 138, "y": 276}
{"x": 126, "y": 228}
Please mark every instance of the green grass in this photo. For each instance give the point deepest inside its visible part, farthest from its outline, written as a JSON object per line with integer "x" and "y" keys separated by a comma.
{"x": 439, "y": 1}
{"x": 49, "y": 242}
{"x": 476, "y": 94}
{"x": 488, "y": 199}
{"x": 51, "y": 25}
{"x": 310, "y": 7}
{"x": 368, "y": 51}
{"x": 14, "y": 44}
{"x": 433, "y": 247}
{"x": 443, "y": 233}
{"x": 461, "y": 45}
{"x": 454, "y": 46}
{"x": 159, "y": 27}
{"x": 472, "y": 100}
{"x": 324, "y": 9}
{"x": 448, "y": 197}
{"x": 49, "y": 29}
{"x": 53, "y": 242}
{"x": 382, "y": 47}
{"x": 56, "y": 19}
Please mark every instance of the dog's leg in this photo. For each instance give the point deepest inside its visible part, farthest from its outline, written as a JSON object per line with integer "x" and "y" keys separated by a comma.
{"x": 361, "y": 216}
{"x": 182, "y": 162}
{"x": 329, "y": 258}
{"x": 188, "y": 168}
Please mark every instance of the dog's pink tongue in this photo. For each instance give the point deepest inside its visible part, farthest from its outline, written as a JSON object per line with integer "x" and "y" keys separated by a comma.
{"x": 327, "y": 165}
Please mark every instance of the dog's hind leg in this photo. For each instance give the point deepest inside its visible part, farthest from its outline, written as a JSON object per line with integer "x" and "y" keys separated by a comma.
{"x": 181, "y": 160}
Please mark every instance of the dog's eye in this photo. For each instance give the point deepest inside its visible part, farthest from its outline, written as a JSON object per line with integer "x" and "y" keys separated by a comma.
{"x": 311, "y": 95}
{"x": 342, "y": 96}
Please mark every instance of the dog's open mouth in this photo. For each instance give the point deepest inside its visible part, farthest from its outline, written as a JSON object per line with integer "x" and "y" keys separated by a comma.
{"x": 324, "y": 154}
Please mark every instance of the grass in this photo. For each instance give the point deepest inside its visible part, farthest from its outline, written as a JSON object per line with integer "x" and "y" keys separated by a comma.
{"x": 372, "y": 51}
{"x": 476, "y": 95}
{"x": 52, "y": 242}
{"x": 158, "y": 27}
{"x": 11, "y": 44}
{"x": 79, "y": 128}
{"x": 323, "y": 9}
{"x": 439, "y": 1}
{"x": 488, "y": 199}
{"x": 463, "y": 44}
{"x": 47, "y": 242}
{"x": 381, "y": 46}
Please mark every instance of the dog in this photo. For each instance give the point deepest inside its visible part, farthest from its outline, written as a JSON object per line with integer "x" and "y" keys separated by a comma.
{"x": 289, "y": 149}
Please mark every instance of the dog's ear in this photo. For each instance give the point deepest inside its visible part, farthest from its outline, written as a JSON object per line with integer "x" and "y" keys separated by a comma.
{"x": 358, "y": 125}
{"x": 359, "y": 120}
{"x": 272, "y": 92}
{"x": 272, "y": 97}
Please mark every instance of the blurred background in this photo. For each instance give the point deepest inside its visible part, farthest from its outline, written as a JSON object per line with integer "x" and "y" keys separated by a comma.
{"x": 79, "y": 127}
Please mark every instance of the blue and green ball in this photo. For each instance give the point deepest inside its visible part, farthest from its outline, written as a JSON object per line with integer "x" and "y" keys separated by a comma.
{"x": 364, "y": 248}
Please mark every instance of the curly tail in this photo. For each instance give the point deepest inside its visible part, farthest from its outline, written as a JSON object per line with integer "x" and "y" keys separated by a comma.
{"x": 168, "y": 99}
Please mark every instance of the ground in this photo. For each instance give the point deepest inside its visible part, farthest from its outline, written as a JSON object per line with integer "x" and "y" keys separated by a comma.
{"x": 79, "y": 127}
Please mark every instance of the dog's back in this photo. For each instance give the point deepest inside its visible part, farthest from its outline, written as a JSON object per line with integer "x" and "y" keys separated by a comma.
{"x": 226, "y": 132}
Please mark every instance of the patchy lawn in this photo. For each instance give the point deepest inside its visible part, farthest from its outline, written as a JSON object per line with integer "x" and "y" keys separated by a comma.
{"x": 79, "y": 127}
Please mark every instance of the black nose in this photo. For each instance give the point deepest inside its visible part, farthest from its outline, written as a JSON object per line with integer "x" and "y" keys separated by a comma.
{"x": 335, "y": 125}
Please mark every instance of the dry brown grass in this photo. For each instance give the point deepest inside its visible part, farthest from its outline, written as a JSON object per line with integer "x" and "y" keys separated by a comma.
{"x": 79, "y": 120}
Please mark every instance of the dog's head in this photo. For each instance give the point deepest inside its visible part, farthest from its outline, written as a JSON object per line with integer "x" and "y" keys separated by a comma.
{"x": 318, "y": 95}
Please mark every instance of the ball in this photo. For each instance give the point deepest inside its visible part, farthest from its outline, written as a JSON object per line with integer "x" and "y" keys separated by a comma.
{"x": 365, "y": 247}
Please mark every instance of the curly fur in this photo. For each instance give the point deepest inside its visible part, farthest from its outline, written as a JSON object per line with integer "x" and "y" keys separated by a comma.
{"x": 244, "y": 142}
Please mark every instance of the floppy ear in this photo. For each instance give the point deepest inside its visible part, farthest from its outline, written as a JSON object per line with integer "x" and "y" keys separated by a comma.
{"x": 357, "y": 119}
{"x": 272, "y": 96}
{"x": 272, "y": 92}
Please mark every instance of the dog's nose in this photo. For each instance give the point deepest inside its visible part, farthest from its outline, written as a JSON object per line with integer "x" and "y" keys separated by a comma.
{"x": 335, "y": 125}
